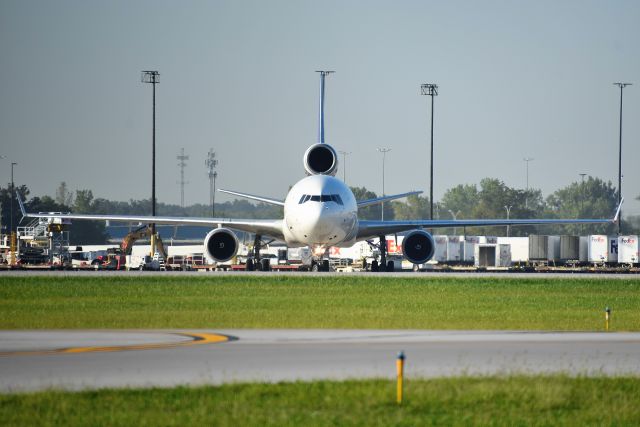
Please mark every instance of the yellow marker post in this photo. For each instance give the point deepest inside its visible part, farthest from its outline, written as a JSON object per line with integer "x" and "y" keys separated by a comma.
{"x": 607, "y": 317}
{"x": 400, "y": 372}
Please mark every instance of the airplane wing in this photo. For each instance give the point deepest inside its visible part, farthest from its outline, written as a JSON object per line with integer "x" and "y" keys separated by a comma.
{"x": 369, "y": 229}
{"x": 252, "y": 197}
{"x": 378, "y": 200}
{"x": 268, "y": 227}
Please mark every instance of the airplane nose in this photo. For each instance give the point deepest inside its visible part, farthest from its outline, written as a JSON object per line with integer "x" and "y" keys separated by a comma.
{"x": 319, "y": 224}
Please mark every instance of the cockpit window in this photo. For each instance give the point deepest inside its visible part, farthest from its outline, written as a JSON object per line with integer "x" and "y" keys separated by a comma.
{"x": 321, "y": 198}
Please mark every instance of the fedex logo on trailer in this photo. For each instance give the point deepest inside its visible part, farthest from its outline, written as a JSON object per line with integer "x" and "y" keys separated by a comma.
{"x": 628, "y": 241}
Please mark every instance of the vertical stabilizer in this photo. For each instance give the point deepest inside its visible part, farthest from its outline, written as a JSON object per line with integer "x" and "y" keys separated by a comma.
{"x": 323, "y": 74}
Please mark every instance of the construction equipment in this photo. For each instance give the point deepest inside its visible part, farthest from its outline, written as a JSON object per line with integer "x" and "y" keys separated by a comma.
{"x": 141, "y": 233}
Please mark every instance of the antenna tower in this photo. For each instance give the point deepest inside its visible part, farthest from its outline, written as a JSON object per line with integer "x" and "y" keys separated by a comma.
{"x": 181, "y": 163}
{"x": 211, "y": 164}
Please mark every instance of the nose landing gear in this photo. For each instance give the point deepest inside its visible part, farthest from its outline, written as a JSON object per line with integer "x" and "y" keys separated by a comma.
{"x": 320, "y": 265}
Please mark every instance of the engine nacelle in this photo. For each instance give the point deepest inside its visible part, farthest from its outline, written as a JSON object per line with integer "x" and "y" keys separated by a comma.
{"x": 221, "y": 244}
{"x": 418, "y": 246}
{"x": 321, "y": 159}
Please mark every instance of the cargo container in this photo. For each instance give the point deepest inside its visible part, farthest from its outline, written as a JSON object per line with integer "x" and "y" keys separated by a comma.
{"x": 491, "y": 240}
{"x": 468, "y": 248}
{"x": 538, "y": 248}
{"x": 504, "y": 255}
{"x": 597, "y": 250}
{"x": 553, "y": 252}
{"x": 584, "y": 249}
{"x": 569, "y": 248}
{"x": 440, "y": 254}
{"x": 519, "y": 248}
{"x": 613, "y": 249}
{"x": 454, "y": 252}
{"x": 492, "y": 255}
{"x": 628, "y": 249}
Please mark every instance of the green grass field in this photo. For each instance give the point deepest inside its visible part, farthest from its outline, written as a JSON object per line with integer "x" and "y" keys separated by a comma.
{"x": 507, "y": 401}
{"x": 207, "y": 301}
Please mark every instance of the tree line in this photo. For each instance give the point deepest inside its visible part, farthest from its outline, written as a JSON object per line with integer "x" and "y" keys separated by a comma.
{"x": 491, "y": 198}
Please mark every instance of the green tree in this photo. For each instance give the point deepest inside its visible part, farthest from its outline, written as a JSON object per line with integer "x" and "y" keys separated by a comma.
{"x": 491, "y": 201}
{"x": 461, "y": 198}
{"x": 593, "y": 198}
{"x": 7, "y": 201}
{"x": 372, "y": 212}
{"x": 415, "y": 207}
{"x": 64, "y": 197}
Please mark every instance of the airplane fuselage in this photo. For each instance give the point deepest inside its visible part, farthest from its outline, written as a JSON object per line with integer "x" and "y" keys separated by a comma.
{"x": 320, "y": 211}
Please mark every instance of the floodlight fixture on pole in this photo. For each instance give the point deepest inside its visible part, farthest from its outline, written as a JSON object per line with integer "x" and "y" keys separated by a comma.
{"x": 344, "y": 165}
{"x": 508, "y": 208}
{"x": 621, "y": 86}
{"x": 431, "y": 90}
{"x": 323, "y": 74}
{"x": 455, "y": 218}
{"x": 152, "y": 77}
{"x": 211, "y": 164}
{"x": 384, "y": 152}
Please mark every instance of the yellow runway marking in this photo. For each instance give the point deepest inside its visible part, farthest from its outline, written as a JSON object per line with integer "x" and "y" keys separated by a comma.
{"x": 197, "y": 339}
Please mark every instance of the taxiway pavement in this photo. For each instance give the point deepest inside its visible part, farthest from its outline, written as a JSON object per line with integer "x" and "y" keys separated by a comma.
{"x": 35, "y": 360}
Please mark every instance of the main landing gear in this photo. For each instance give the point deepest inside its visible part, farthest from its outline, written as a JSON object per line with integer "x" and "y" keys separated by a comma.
{"x": 383, "y": 265}
{"x": 255, "y": 262}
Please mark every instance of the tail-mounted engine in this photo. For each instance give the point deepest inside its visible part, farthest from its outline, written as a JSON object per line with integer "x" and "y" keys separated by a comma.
{"x": 321, "y": 159}
{"x": 418, "y": 247}
{"x": 221, "y": 244}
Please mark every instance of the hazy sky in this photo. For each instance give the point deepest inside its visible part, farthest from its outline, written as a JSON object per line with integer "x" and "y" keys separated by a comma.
{"x": 517, "y": 79}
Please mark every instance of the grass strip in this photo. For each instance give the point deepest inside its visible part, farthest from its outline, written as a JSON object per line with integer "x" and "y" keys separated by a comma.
{"x": 498, "y": 401}
{"x": 210, "y": 301}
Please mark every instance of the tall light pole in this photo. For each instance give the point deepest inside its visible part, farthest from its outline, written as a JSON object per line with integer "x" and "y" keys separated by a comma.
{"x": 621, "y": 86}
{"x": 384, "y": 152}
{"x": 211, "y": 164}
{"x": 13, "y": 190}
{"x": 526, "y": 197}
{"x": 3, "y": 157}
{"x": 152, "y": 77}
{"x": 508, "y": 208}
{"x": 582, "y": 175}
{"x": 431, "y": 90}
{"x": 344, "y": 165}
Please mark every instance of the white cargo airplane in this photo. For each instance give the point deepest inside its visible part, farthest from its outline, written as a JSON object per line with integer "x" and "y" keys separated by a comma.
{"x": 320, "y": 211}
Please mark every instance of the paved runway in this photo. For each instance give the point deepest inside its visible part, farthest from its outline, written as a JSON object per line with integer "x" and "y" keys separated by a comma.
{"x": 33, "y": 360}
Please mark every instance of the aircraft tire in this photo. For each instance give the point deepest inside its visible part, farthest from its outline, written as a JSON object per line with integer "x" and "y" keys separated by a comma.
{"x": 325, "y": 265}
{"x": 264, "y": 264}
{"x": 390, "y": 266}
{"x": 374, "y": 266}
